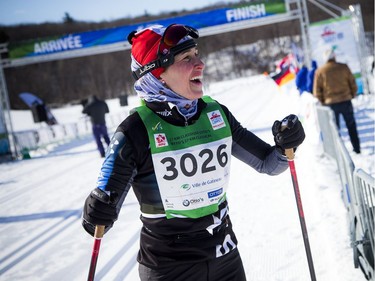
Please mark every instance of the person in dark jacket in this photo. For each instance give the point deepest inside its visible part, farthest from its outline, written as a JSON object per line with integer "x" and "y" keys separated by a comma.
{"x": 96, "y": 109}
{"x": 335, "y": 86}
{"x": 175, "y": 152}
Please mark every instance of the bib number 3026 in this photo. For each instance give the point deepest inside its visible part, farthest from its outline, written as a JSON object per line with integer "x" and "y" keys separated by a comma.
{"x": 189, "y": 164}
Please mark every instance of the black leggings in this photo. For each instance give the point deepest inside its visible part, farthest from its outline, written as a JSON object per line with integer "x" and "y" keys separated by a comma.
{"x": 225, "y": 268}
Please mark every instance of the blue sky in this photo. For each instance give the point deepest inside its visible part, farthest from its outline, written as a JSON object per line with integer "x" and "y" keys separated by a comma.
{"x": 39, "y": 11}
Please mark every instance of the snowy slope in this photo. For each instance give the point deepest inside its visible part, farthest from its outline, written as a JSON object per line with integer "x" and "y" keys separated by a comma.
{"x": 41, "y": 199}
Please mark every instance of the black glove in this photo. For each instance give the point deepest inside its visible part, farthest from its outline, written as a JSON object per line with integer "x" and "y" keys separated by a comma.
{"x": 288, "y": 133}
{"x": 99, "y": 209}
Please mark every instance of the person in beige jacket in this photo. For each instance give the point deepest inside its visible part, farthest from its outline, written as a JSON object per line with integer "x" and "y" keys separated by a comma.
{"x": 335, "y": 86}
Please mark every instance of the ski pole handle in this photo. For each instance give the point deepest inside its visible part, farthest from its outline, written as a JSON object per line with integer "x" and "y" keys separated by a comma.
{"x": 289, "y": 153}
{"x": 289, "y": 122}
{"x": 99, "y": 232}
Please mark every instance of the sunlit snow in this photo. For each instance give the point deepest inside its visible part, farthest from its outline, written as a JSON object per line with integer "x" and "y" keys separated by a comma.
{"x": 41, "y": 200}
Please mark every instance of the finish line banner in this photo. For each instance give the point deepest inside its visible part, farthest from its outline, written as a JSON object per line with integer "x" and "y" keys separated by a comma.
{"x": 76, "y": 41}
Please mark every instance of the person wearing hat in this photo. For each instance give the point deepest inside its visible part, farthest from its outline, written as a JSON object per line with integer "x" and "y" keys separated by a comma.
{"x": 175, "y": 152}
{"x": 335, "y": 86}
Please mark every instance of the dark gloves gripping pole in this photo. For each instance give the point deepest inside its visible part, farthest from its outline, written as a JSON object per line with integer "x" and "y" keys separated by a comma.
{"x": 99, "y": 209}
{"x": 288, "y": 133}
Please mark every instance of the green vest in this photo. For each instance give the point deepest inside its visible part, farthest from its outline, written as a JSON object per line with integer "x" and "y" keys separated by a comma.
{"x": 191, "y": 163}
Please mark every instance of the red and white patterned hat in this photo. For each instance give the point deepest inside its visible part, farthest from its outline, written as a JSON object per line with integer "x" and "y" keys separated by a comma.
{"x": 153, "y": 56}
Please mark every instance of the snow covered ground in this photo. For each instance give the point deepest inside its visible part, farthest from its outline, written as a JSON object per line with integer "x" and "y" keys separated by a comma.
{"x": 41, "y": 200}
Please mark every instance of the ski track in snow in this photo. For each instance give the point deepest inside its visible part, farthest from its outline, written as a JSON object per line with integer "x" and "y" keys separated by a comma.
{"x": 42, "y": 198}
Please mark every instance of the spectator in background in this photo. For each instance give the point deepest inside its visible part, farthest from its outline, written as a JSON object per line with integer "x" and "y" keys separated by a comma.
{"x": 301, "y": 79}
{"x": 334, "y": 86}
{"x": 310, "y": 77}
{"x": 97, "y": 109}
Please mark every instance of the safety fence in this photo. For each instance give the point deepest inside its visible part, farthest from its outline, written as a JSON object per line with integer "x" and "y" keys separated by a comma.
{"x": 44, "y": 137}
{"x": 358, "y": 190}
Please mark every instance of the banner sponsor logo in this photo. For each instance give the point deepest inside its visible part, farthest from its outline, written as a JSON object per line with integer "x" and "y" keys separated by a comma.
{"x": 186, "y": 186}
{"x": 194, "y": 201}
{"x": 330, "y": 36}
{"x": 165, "y": 113}
{"x": 215, "y": 193}
{"x": 157, "y": 127}
{"x": 160, "y": 140}
{"x": 216, "y": 119}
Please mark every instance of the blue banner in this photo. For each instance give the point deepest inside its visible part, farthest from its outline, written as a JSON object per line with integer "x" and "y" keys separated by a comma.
{"x": 117, "y": 35}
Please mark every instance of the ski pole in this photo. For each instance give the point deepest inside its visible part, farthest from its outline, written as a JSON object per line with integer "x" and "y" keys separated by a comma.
{"x": 99, "y": 232}
{"x": 290, "y": 156}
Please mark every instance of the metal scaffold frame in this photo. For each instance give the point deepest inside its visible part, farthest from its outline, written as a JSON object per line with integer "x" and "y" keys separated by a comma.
{"x": 5, "y": 110}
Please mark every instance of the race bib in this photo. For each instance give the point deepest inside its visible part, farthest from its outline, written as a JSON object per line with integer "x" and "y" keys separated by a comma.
{"x": 192, "y": 163}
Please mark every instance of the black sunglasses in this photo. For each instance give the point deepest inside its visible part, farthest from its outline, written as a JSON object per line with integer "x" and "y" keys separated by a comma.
{"x": 168, "y": 47}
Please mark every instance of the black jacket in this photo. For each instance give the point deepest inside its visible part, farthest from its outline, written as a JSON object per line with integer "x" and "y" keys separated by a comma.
{"x": 165, "y": 242}
{"x": 96, "y": 109}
